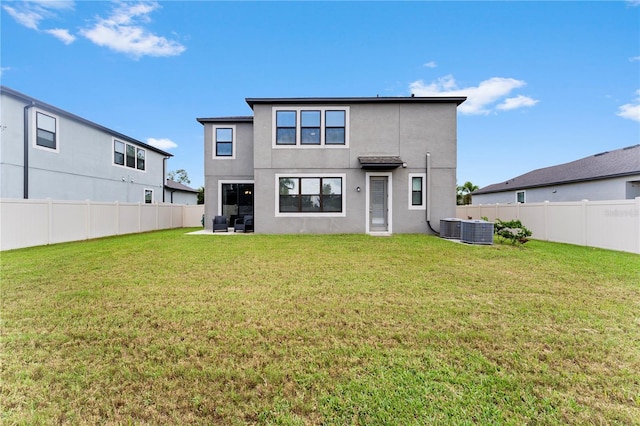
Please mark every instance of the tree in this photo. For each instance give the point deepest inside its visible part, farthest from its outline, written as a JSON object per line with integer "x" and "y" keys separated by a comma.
{"x": 464, "y": 193}
{"x": 201, "y": 195}
{"x": 179, "y": 176}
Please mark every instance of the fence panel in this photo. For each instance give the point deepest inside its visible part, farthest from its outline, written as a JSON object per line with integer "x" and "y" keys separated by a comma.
{"x": 606, "y": 224}
{"x": 28, "y": 223}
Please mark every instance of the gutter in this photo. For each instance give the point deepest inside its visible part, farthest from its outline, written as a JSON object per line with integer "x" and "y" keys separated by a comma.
{"x": 25, "y": 165}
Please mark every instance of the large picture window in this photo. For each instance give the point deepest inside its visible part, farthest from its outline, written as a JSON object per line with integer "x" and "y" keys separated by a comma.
{"x": 310, "y": 194}
{"x": 46, "y": 131}
{"x": 311, "y": 127}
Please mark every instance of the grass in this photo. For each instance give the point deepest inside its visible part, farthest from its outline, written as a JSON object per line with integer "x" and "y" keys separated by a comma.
{"x": 167, "y": 328}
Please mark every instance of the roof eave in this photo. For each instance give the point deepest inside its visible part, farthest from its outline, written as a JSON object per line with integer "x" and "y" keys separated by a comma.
{"x": 356, "y": 100}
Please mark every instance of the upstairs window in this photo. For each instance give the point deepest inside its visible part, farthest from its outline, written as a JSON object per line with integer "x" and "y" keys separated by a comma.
{"x": 46, "y": 134}
{"x": 224, "y": 142}
{"x": 128, "y": 155}
{"x": 335, "y": 127}
{"x": 286, "y": 128}
{"x": 310, "y": 127}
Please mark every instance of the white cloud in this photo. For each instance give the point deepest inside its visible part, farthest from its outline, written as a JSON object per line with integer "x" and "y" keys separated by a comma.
{"x": 3, "y": 69}
{"x": 122, "y": 32}
{"x": 517, "y": 102}
{"x": 633, "y": 2}
{"x": 28, "y": 17}
{"x": 480, "y": 99}
{"x": 430, "y": 64}
{"x": 31, "y": 13}
{"x": 631, "y": 111}
{"x": 635, "y": 58}
{"x": 162, "y": 143}
{"x": 62, "y": 35}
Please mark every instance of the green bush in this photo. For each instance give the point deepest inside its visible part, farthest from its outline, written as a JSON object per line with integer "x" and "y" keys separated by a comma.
{"x": 512, "y": 230}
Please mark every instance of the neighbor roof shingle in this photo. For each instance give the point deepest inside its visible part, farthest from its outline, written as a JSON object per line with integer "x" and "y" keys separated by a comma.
{"x": 621, "y": 162}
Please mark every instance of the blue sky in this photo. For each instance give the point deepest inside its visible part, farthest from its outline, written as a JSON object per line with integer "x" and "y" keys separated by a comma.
{"x": 547, "y": 82}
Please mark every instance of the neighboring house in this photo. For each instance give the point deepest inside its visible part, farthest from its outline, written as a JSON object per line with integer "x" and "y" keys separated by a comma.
{"x": 611, "y": 175}
{"x": 334, "y": 165}
{"x": 47, "y": 152}
{"x": 177, "y": 193}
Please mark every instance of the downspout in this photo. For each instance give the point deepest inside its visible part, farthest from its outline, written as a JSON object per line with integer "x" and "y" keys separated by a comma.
{"x": 428, "y": 195}
{"x": 164, "y": 177}
{"x": 25, "y": 165}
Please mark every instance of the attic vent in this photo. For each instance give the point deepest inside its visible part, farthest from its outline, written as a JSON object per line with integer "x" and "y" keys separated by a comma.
{"x": 450, "y": 228}
{"x": 476, "y": 232}
{"x": 630, "y": 147}
{"x": 602, "y": 153}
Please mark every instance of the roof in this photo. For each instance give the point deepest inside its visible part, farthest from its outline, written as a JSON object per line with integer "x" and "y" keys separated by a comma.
{"x": 380, "y": 162}
{"x": 235, "y": 119}
{"x": 358, "y": 100}
{"x": 609, "y": 164}
{"x": 37, "y": 103}
{"x": 171, "y": 184}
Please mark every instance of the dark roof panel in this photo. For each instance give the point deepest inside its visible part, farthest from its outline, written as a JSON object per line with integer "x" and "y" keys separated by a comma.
{"x": 235, "y": 119}
{"x": 621, "y": 162}
{"x": 357, "y": 100}
{"x": 380, "y": 162}
{"x": 171, "y": 184}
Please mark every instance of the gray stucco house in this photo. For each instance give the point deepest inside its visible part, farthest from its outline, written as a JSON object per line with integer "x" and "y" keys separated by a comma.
{"x": 47, "y": 152}
{"x": 611, "y": 175}
{"x": 375, "y": 165}
{"x": 178, "y": 193}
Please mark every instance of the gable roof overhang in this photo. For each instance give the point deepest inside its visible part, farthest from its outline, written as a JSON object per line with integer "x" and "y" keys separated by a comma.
{"x": 55, "y": 110}
{"x": 380, "y": 162}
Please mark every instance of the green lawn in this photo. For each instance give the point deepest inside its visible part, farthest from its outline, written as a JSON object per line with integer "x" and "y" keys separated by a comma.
{"x": 168, "y": 328}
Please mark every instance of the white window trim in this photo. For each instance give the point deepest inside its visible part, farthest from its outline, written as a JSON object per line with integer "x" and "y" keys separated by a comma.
{"x": 144, "y": 195}
{"x": 234, "y": 138}
{"x": 389, "y": 175}
{"x": 34, "y": 130}
{"x": 422, "y": 206}
{"x": 343, "y": 213}
{"x": 298, "y": 144}
{"x": 227, "y": 181}
{"x": 524, "y": 193}
{"x": 124, "y": 166}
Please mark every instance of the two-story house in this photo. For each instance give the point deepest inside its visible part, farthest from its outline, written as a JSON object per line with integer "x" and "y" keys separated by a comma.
{"x": 376, "y": 165}
{"x": 47, "y": 152}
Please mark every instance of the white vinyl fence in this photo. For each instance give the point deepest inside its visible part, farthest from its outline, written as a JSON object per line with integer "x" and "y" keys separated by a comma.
{"x": 27, "y": 223}
{"x": 612, "y": 225}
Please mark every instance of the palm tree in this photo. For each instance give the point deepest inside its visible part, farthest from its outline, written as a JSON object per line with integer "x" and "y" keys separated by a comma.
{"x": 464, "y": 193}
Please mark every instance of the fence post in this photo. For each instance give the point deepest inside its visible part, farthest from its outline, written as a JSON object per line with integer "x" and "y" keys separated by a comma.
{"x": 87, "y": 218}
{"x": 49, "y": 220}
{"x": 638, "y": 224}
{"x": 546, "y": 220}
{"x": 584, "y": 221}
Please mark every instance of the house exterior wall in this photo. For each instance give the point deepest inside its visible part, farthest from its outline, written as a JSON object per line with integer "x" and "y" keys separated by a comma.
{"x": 619, "y": 188}
{"x": 217, "y": 170}
{"x": 404, "y": 129}
{"x": 180, "y": 197}
{"x": 80, "y": 168}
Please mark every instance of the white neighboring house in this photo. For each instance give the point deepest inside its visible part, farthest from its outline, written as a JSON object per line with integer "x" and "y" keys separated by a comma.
{"x": 177, "y": 193}
{"x": 47, "y": 152}
{"x": 610, "y": 175}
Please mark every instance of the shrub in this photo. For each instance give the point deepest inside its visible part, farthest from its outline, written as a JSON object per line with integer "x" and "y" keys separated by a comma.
{"x": 512, "y": 230}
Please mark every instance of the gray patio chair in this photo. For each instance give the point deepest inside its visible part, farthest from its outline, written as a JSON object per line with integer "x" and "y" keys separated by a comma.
{"x": 220, "y": 224}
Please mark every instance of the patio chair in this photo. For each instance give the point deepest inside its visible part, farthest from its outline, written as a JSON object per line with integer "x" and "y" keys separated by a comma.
{"x": 244, "y": 224}
{"x": 220, "y": 224}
